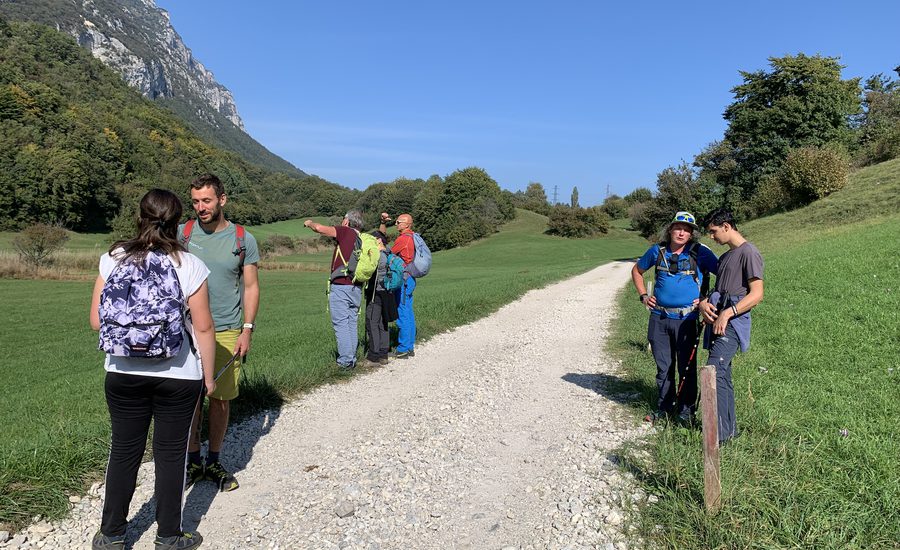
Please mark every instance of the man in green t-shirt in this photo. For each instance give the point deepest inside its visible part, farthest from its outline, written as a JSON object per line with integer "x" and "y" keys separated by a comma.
{"x": 232, "y": 255}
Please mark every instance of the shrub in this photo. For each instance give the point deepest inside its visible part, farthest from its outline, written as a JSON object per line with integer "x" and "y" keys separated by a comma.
{"x": 770, "y": 196}
{"x": 641, "y": 194}
{"x": 36, "y": 243}
{"x": 277, "y": 245}
{"x": 615, "y": 207}
{"x": 811, "y": 173}
{"x": 566, "y": 221}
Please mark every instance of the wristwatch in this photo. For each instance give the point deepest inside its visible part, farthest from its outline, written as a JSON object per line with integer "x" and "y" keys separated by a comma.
{"x": 251, "y": 326}
{"x": 641, "y": 297}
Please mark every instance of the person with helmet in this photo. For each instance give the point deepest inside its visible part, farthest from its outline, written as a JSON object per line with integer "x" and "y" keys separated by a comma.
{"x": 682, "y": 269}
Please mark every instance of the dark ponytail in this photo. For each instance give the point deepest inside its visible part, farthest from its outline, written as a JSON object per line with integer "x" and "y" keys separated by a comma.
{"x": 157, "y": 228}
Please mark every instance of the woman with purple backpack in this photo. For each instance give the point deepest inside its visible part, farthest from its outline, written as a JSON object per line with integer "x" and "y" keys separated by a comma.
{"x": 151, "y": 306}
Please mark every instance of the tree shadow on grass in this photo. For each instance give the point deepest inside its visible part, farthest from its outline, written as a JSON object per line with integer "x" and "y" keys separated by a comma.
{"x": 253, "y": 414}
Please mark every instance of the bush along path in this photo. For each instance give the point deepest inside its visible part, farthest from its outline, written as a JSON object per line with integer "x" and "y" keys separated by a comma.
{"x": 499, "y": 434}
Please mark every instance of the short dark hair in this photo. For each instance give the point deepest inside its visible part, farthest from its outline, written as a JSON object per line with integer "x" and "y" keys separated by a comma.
{"x": 209, "y": 180}
{"x": 719, "y": 216}
{"x": 380, "y": 236}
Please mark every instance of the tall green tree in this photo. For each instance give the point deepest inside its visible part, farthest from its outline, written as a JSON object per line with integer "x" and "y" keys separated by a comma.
{"x": 879, "y": 124}
{"x": 801, "y": 101}
{"x": 574, "y": 202}
{"x": 467, "y": 205}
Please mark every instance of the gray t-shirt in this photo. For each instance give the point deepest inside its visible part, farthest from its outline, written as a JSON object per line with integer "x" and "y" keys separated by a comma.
{"x": 217, "y": 250}
{"x": 736, "y": 268}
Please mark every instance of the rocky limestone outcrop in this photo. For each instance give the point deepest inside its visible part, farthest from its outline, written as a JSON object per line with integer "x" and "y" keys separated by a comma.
{"x": 136, "y": 39}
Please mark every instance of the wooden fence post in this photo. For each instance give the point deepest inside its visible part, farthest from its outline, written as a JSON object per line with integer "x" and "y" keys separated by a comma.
{"x": 712, "y": 487}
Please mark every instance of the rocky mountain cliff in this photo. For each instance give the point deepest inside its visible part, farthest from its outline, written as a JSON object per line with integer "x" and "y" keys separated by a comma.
{"x": 136, "y": 38}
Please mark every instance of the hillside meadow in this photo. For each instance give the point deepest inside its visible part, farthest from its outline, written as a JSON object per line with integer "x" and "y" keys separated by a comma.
{"x": 816, "y": 464}
{"x": 54, "y": 419}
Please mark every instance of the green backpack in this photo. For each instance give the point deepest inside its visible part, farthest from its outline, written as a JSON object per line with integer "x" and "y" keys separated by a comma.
{"x": 363, "y": 262}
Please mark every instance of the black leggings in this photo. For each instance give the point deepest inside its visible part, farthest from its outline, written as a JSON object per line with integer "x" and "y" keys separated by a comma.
{"x": 133, "y": 400}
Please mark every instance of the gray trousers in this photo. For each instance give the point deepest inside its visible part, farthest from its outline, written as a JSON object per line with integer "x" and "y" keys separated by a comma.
{"x": 343, "y": 302}
{"x": 722, "y": 350}
{"x": 379, "y": 342}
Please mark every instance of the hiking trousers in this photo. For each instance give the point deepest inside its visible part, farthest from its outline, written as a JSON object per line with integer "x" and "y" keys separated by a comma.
{"x": 672, "y": 341}
{"x": 133, "y": 401}
{"x": 722, "y": 350}
{"x": 406, "y": 318}
{"x": 343, "y": 302}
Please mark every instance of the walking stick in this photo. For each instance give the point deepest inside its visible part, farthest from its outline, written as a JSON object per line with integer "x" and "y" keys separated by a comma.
{"x": 692, "y": 360}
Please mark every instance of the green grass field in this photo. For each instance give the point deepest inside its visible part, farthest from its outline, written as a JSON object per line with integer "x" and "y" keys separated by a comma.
{"x": 823, "y": 359}
{"x": 54, "y": 421}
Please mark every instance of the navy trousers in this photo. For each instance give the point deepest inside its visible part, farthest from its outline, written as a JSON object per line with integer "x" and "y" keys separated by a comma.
{"x": 672, "y": 341}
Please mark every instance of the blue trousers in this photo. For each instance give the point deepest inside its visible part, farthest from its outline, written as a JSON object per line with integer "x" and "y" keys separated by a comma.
{"x": 343, "y": 302}
{"x": 722, "y": 350}
{"x": 406, "y": 319}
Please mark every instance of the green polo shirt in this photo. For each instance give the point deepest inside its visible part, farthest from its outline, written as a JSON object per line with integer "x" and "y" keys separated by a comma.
{"x": 217, "y": 250}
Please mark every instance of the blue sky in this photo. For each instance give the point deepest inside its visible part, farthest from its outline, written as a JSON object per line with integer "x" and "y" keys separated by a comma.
{"x": 598, "y": 95}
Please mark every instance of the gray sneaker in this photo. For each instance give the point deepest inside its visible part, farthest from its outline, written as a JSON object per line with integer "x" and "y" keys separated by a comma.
{"x": 184, "y": 541}
{"x": 103, "y": 542}
{"x": 402, "y": 354}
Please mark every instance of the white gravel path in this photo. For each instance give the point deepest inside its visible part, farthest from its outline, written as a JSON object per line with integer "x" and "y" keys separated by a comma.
{"x": 496, "y": 435}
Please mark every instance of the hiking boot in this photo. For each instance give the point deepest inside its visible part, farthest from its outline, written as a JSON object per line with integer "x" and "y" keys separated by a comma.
{"x": 184, "y": 541}
{"x": 195, "y": 472}
{"x": 369, "y": 364}
{"x": 656, "y": 416}
{"x": 403, "y": 354}
{"x": 102, "y": 542}
{"x": 217, "y": 473}
{"x": 384, "y": 360}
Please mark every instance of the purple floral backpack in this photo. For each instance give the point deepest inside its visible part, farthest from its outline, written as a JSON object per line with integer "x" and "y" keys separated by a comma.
{"x": 142, "y": 309}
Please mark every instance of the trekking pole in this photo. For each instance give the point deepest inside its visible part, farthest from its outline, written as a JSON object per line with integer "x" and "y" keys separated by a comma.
{"x": 228, "y": 364}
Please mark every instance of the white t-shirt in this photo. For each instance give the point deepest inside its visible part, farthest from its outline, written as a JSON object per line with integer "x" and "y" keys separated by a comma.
{"x": 184, "y": 366}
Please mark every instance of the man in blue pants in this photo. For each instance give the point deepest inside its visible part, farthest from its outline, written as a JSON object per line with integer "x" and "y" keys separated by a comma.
{"x": 739, "y": 288}
{"x": 406, "y": 318}
{"x": 682, "y": 264}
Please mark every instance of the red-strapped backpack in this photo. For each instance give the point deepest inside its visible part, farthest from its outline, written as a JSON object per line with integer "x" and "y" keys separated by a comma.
{"x": 240, "y": 251}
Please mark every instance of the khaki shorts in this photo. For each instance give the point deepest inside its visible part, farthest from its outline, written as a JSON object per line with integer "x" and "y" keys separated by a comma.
{"x": 227, "y": 384}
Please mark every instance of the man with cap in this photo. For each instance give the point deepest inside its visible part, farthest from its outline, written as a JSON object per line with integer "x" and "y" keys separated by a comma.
{"x": 682, "y": 267}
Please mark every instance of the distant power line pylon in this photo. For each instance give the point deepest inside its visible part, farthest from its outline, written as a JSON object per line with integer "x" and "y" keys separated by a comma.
{"x": 555, "y": 191}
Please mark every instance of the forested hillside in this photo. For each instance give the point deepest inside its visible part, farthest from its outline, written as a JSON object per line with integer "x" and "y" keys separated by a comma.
{"x": 136, "y": 39}
{"x": 76, "y": 143}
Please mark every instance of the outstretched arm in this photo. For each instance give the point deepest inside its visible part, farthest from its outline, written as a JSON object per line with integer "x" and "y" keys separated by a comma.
{"x": 327, "y": 230}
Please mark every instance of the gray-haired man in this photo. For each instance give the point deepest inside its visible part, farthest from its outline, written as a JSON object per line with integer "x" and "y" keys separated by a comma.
{"x": 345, "y": 297}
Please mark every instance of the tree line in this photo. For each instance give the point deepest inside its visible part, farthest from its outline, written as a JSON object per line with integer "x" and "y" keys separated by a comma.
{"x": 78, "y": 147}
{"x": 794, "y": 133}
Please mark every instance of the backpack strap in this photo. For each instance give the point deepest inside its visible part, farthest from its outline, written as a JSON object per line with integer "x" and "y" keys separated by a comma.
{"x": 241, "y": 251}
{"x": 185, "y": 237}
{"x": 692, "y": 254}
{"x": 693, "y": 250}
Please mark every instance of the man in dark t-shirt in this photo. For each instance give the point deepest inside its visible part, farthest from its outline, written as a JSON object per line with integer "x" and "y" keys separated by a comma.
{"x": 739, "y": 288}
{"x": 344, "y": 297}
